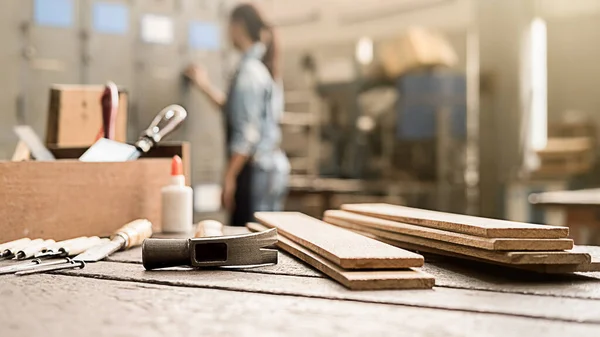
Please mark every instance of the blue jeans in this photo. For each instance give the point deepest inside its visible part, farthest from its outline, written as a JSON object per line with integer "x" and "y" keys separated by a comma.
{"x": 269, "y": 189}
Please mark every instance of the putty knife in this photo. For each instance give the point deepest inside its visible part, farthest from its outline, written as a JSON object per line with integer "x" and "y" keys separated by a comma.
{"x": 163, "y": 124}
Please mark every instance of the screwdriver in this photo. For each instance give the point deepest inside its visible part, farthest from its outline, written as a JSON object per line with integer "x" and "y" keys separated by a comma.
{"x": 77, "y": 246}
{"x": 11, "y": 244}
{"x": 11, "y": 252}
{"x": 130, "y": 235}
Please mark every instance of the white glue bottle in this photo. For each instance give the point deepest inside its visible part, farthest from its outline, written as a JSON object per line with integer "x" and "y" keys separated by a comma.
{"x": 177, "y": 202}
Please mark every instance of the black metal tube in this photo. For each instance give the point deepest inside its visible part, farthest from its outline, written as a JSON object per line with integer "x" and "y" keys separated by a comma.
{"x": 164, "y": 253}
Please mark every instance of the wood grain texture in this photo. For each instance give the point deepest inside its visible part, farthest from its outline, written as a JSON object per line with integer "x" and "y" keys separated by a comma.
{"x": 66, "y": 199}
{"x": 452, "y": 237}
{"x": 76, "y": 306}
{"x": 355, "y": 279}
{"x": 473, "y": 301}
{"x": 485, "y": 227}
{"x": 343, "y": 247}
{"x": 417, "y": 243}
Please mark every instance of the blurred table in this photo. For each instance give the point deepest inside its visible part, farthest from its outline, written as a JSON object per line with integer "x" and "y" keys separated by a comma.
{"x": 581, "y": 211}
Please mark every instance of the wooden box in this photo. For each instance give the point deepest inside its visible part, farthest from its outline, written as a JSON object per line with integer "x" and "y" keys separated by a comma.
{"x": 75, "y": 115}
{"x": 68, "y": 198}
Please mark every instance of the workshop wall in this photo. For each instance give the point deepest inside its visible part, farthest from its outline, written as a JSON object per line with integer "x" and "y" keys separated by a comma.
{"x": 141, "y": 45}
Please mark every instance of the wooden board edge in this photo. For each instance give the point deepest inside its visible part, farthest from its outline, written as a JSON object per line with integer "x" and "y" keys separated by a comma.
{"x": 390, "y": 238}
{"x": 348, "y": 263}
{"x": 422, "y": 280}
{"x": 549, "y": 232}
{"x": 468, "y": 240}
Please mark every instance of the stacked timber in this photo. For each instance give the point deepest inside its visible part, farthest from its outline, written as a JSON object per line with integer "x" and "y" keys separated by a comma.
{"x": 352, "y": 259}
{"x": 534, "y": 247}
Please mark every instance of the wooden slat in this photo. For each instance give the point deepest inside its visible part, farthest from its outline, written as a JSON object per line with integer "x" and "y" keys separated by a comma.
{"x": 491, "y": 228}
{"x": 343, "y": 247}
{"x": 452, "y": 237}
{"x": 355, "y": 279}
{"x": 409, "y": 242}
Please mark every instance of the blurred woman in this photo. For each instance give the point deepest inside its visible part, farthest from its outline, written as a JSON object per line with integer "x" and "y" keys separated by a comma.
{"x": 257, "y": 172}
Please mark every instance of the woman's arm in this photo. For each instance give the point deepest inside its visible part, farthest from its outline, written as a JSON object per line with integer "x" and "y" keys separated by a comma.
{"x": 199, "y": 77}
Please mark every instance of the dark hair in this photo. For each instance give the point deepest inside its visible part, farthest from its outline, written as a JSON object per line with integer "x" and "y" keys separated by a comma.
{"x": 249, "y": 16}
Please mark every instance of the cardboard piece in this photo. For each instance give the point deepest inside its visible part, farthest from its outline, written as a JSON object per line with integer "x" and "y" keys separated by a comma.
{"x": 429, "y": 245}
{"x": 457, "y": 238}
{"x": 477, "y": 226}
{"x": 75, "y": 115}
{"x": 352, "y": 279}
{"x": 343, "y": 247}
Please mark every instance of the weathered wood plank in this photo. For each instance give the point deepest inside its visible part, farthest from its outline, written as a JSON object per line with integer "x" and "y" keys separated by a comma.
{"x": 451, "y": 237}
{"x": 355, "y": 279}
{"x": 68, "y": 306}
{"x": 485, "y": 227}
{"x": 439, "y": 247}
{"x": 343, "y": 247}
{"x": 441, "y": 298}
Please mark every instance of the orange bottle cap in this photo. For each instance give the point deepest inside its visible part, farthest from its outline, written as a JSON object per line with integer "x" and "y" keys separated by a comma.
{"x": 176, "y": 166}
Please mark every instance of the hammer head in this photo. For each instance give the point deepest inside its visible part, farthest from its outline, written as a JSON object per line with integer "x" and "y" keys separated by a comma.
{"x": 222, "y": 251}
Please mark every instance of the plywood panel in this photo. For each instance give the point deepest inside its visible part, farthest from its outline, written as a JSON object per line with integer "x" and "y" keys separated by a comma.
{"x": 446, "y": 236}
{"x": 485, "y": 227}
{"x": 343, "y": 247}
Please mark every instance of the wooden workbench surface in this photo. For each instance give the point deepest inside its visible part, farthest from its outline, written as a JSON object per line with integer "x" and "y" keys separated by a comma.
{"x": 118, "y": 297}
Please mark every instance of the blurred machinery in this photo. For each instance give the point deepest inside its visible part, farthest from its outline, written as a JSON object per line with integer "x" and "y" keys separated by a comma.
{"x": 400, "y": 136}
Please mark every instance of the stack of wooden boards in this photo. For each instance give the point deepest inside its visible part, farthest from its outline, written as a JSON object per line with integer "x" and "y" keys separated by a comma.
{"x": 527, "y": 246}
{"x": 354, "y": 260}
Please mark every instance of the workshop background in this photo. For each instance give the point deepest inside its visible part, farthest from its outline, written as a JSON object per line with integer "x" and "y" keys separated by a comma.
{"x": 453, "y": 105}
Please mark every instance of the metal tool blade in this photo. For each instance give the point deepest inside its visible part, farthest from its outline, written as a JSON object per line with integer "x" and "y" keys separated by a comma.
{"x": 101, "y": 251}
{"x": 108, "y": 150}
{"x": 70, "y": 264}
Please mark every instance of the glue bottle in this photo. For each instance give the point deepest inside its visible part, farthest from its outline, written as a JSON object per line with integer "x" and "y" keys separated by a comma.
{"x": 177, "y": 202}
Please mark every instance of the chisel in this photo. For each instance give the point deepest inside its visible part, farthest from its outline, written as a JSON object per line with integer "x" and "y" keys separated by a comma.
{"x": 54, "y": 247}
{"x": 31, "y": 250}
{"x": 11, "y": 252}
{"x": 163, "y": 124}
{"x": 11, "y": 244}
{"x": 75, "y": 247}
{"x": 69, "y": 248}
{"x": 130, "y": 235}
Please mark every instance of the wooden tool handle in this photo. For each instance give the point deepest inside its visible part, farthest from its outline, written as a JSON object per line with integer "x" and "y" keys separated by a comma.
{"x": 80, "y": 246}
{"x": 11, "y": 244}
{"x": 110, "y": 107}
{"x": 135, "y": 232}
{"x": 31, "y": 250}
{"x": 209, "y": 228}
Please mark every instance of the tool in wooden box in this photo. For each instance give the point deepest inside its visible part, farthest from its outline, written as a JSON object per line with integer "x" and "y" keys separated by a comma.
{"x": 163, "y": 124}
{"x": 66, "y": 248}
{"x": 110, "y": 107}
{"x": 130, "y": 235}
{"x": 245, "y": 250}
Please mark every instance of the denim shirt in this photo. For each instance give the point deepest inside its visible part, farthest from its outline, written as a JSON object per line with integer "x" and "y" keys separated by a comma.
{"x": 254, "y": 107}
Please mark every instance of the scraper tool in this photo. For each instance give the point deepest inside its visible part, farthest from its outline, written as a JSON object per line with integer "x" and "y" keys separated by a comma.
{"x": 106, "y": 150}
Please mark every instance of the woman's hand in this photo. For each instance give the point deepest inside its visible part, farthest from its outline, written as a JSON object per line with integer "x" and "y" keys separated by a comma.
{"x": 228, "y": 196}
{"x": 198, "y": 75}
